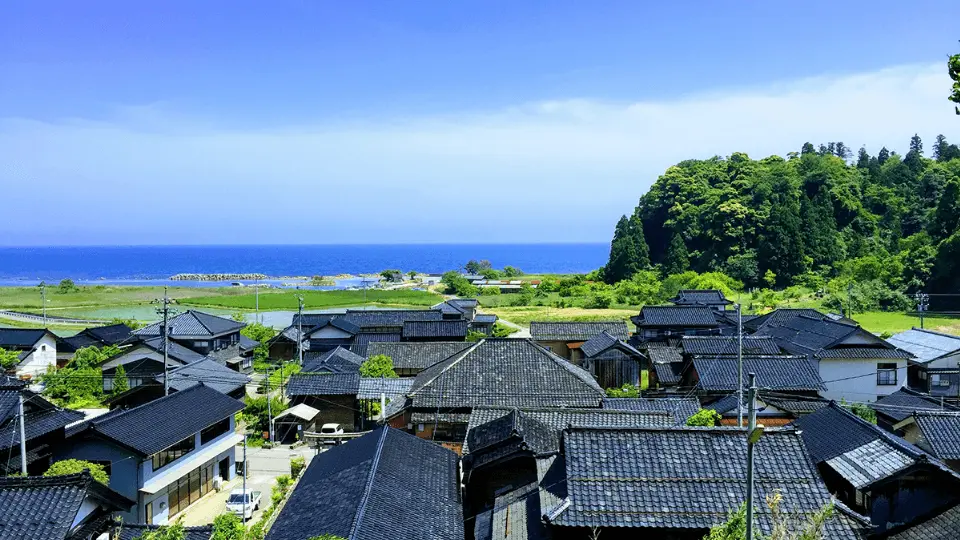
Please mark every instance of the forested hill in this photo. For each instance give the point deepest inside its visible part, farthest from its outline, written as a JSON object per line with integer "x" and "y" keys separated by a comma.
{"x": 820, "y": 216}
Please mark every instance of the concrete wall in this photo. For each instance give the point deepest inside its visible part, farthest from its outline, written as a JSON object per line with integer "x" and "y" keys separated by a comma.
{"x": 856, "y": 379}
{"x": 41, "y": 359}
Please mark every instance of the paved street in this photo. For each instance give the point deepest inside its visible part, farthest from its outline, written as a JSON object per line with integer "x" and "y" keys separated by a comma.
{"x": 265, "y": 466}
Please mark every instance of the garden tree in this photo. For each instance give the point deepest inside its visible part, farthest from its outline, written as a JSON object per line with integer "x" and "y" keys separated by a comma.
{"x": 946, "y": 217}
{"x": 164, "y": 532}
{"x": 412, "y": 275}
{"x": 120, "y": 382}
{"x": 380, "y": 365}
{"x": 256, "y": 414}
{"x": 74, "y": 466}
{"x": 883, "y": 155}
{"x": 474, "y": 335}
{"x": 79, "y": 384}
{"x": 8, "y": 359}
{"x": 677, "y": 259}
{"x": 228, "y": 526}
{"x": 476, "y": 267}
{"x": 704, "y": 418}
{"x": 67, "y": 286}
{"x": 953, "y": 68}
{"x": 783, "y": 525}
{"x": 392, "y": 275}
{"x": 512, "y": 271}
{"x": 457, "y": 284}
{"x": 263, "y": 334}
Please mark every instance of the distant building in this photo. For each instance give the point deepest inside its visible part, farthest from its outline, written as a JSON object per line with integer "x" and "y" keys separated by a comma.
{"x": 205, "y": 334}
{"x": 101, "y": 336}
{"x": 565, "y": 338}
{"x": 935, "y": 368}
{"x": 662, "y": 323}
{"x": 36, "y": 348}
{"x": 711, "y": 298}
{"x": 46, "y": 427}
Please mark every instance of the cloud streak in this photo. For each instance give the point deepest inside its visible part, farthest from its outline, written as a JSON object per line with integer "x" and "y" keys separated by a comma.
{"x": 560, "y": 170}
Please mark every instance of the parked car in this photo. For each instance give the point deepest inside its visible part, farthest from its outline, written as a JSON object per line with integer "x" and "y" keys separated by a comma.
{"x": 331, "y": 429}
{"x": 243, "y": 505}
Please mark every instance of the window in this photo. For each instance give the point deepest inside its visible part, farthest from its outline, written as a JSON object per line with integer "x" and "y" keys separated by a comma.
{"x": 167, "y": 456}
{"x": 887, "y": 374}
{"x": 212, "y": 432}
{"x": 937, "y": 379}
{"x": 200, "y": 344}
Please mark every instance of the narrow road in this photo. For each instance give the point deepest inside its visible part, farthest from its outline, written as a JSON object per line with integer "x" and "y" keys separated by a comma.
{"x": 521, "y": 331}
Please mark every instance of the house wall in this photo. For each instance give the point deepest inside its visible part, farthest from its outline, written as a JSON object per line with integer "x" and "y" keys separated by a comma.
{"x": 558, "y": 348}
{"x": 947, "y": 362}
{"x": 124, "y": 466}
{"x": 856, "y": 379}
{"x": 908, "y": 498}
{"x": 333, "y": 410}
{"x": 43, "y": 357}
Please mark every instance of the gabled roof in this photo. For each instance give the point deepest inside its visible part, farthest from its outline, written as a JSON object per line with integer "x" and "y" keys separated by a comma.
{"x": 209, "y": 372}
{"x": 673, "y": 316}
{"x": 323, "y": 384}
{"x": 435, "y": 329}
{"x": 338, "y": 360}
{"x": 668, "y": 373}
{"x": 515, "y": 516}
{"x": 45, "y": 508}
{"x": 372, "y": 387}
{"x": 505, "y": 372}
{"x": 490, "y": 425}
{"x": 806, "y": 335}
{"x": 76, "y": 342}
{"x": 704, "y": 297}
{"x": 193, "y": 324}
{"x": 131, "y": 531}
{"x": 863, "y": 352}
{"x": 940, "y": 433}
{"x": 456, "y": 306}
{"x": 184, "y": 412}
{"x": 417, "y": 355}
{"x": 859, "y": 451}
{"x": 682, "y": 478}
{"x": 21, "y": 339}
{"x": 385, "y": 484}
{"x": 174, "y": 350}
{"x": 944, "y": 525}
{"x": 664, "y": 355}
{"x": 361, "y": 342}
{"x": 338, "y": 322}
{"x": 506, "y": 426}
{"x": 727, "y": 345}
{"x": 901, "y": 404}
{"x": 773, "y": 373}
{"x": 681, "y": 408}
{"x": 247, "y": 344}
{"x": 576, "y": 331}
{"x": 781, "y": 315}
{"x": 113, "y": 334}
{"x": 926, "y": 345}
{"x": 36, "y": 424}
{"x": 605, "y": 341}
{"x": 367, "y": 318}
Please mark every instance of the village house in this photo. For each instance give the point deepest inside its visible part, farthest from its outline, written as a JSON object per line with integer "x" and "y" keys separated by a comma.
{"x": 935, "y": 366}
{"x": 875, "y": 472}
{"x": 385, "y": 484}
{"x": 116, "y": 335}
{"x": 666, "y": 366}
{"x": 565, "y": 338}
{"x": 205, "y": 334}
{"x": 681, "y": 408}
{"x": 662, "y": 323}
{"x": 69, "y": 507}
{"x": 788, "y": 376}
{"x": 612, "y": 361}
{"x": 143, "y": 362}
{"x": 854, "y": 364}
{"x": 937, "y": 432}
{"x": 207, "y": 371}
{"x": 900, "y": 405}
{"x": 466, "y": 309}
{"x": 36, "y": 348}
{"x": 493, "y": 372}
{"x": 773, "y": 408}
{"x": 164, "y": 454}
{"x": 712, "y": 298}
{"x": 940, "y": 525}
{"x": 44, "y": 426}
{"x": 410, "y": 358}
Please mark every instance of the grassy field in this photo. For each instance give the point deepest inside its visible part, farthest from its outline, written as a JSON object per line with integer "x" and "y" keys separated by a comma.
{"x": 523, "y": 315}
{"x": 318, "y": 299}
{"x": 28, "y": 298}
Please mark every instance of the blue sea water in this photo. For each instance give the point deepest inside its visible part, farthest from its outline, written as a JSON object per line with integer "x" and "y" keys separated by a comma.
{"x": 154, "y": 264}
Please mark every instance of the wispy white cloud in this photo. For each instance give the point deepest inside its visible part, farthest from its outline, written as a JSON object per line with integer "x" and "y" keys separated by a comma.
{"x": 550, "y": 171}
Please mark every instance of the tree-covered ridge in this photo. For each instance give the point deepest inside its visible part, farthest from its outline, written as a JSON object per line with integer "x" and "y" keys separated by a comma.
{"x": 817, "y": 215}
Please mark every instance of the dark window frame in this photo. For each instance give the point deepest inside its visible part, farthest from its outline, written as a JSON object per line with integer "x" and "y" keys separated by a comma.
{"x": 173, "y": 452}
{"x": 213, "y": 431}
{"x": 884, "y": 372}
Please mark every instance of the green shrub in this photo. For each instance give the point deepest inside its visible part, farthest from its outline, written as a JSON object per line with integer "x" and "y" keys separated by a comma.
{"x": 297, "y": 465}
{"x": 705, "y": 418}
{"x": 73, "y": 466}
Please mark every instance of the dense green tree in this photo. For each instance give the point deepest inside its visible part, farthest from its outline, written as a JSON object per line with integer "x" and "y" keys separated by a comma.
{"x": 946, "y": 217}
{"x": 953, "y": 68}
{"x": 8, "y": 359}
{"x": 457, "y": 284}
{"x": 677, "y": 259}
{"x": 628, "y": 251}
{"x": 821, "y": 241}
{"x": 939, "y": 147}
{"x": 74, "y": 466}
{"x": 883, "y": 155}
{"x": 807, "y": 149}
{"x": 228, "y": 526}
{"x": 916, "y": 144}
{"x": 841, "y": 150}
{"x": 262, "y": 334}
{"x": 780, "y": 246}
{"x": 120, "y": 382}
{"x": 863, "y": 158}
{"x": 946, "y": 267}
{"x": 378, "y": 366}
{"x": 475, "y": 267}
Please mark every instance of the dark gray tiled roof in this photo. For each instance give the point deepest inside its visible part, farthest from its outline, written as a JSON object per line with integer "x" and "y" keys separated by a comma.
{"x": 781, "y": 315}
{"x": 773, "y": 373}
{"x": 323, "y": 384}
{"x": 37, "y": 424}
{"x": 668, "y": 373}
{"x": 361, "y": 342}
{"x": 209, "y": 372}
{"x": 338, "y": 360}
{"x": 941, "y": 433}
{"x": 113, "y": 334}
{"x": 863, "y": 352}
{"x": 372, "y": 387}
{"x": 796, "y": 406}
{"x": 75, "y": 343}
{"x": 901, "y": 404}
{"x": 417, "y": 355}
{"x": 697, "y": 316}
{"x": 390, "y": 317}
{"x": 193, "y": 323}
{"x": 435, "y": 329}
{"x": 576, "y": 331}
{"x": 16, "y": 339}
{"x": 727, "y": 345}
{"x": 926, "y": 345}
{"x": 604, "y": 341}
{"x": 493, "y": 427}
{"x": 432, "y": 417}
{"x": 44, "y": 508}
{"x": 505, "y": 372}
{"x": 558, "y": 420}
{"x": 700, "y": 296}
{"x": 942, "y": 526}
{"x": 681, "y": 408}
{"x": 515, "y": 515}
{"x": 174, "y": 350}
{"x": 664, "y": 355}
{"x": 483, "y": 318}
{"x": 184, "y": 412}
{"x": 386, "y": 484}
{"x": 247, "y": 344}
{"x": 682, "y": 478}
{"x": 130, "y": 531}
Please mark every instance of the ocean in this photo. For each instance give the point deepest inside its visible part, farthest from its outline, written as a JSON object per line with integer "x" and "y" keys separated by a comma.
{"x": 153, "y": 265}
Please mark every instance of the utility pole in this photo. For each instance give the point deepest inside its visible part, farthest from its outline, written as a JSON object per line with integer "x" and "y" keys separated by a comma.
{"x": 299, "y": 331}
{"x": 163, "y": 338}
{"x": 383, "y": 408}
{"x": 739, "y": 366}
{"x": 244, "y": 514}
{"x": 269, "y": 407}
{"x": 753, "y": 435}
{"x": 923, "y": 302}
{"x": 23, "y": 438}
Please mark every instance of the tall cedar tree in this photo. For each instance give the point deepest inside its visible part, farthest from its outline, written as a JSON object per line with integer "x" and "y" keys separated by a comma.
{"x": 780, "y": 248}
{"x": 628, "y": 252}
{"x": 939, "y": 147}
{"x": 820, "y": 230}
{"x": 946, "y": 218}
{"x": 953, "y": 68}
{"x": 863, "y": 158}
{"x": 677, "y": 260}
{"x": 883, "y": 155}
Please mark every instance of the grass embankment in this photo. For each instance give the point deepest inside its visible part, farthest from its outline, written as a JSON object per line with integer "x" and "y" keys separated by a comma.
{"x": 524, "y": 315}
{"x": 28, "y": 298}
{"x": 287, "y": 300}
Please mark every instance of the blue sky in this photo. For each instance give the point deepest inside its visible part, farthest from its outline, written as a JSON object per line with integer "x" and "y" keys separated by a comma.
{"x": 399, "y": 122}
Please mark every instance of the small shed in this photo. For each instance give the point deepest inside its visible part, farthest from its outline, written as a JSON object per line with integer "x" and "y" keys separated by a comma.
{"x": 293, "y": 421}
